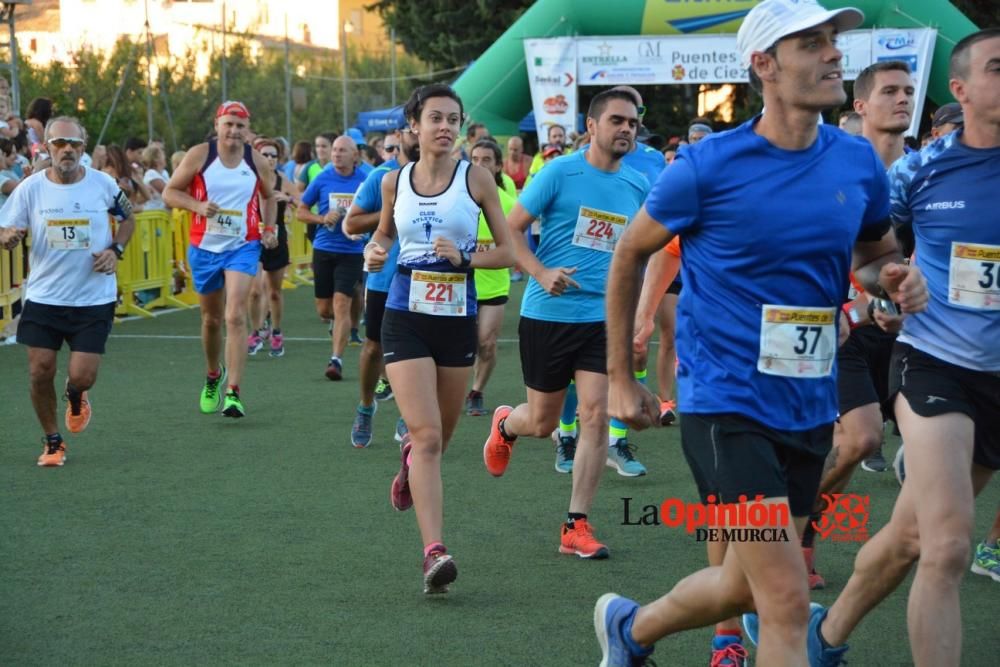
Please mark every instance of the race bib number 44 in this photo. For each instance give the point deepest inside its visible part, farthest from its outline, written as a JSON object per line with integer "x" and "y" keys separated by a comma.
{"x": 226, "y": 223}
{"x": 598, "y": 230}
{"x": 797, "y": 341}
{"x": 974, "y": 276}
{"x": 68, "y": 234}
{"x": 434, "y": 293}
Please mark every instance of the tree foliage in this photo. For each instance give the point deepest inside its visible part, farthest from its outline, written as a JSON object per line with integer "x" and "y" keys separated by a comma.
{"x": 86, "y": 87}
{"x": 449, "y": 33}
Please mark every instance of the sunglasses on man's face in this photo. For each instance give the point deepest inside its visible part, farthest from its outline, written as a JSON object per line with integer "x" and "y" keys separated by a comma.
{"x": 390, "y": 148}
{"x": 63, "y": 142}
{"x": 270, "y": 155}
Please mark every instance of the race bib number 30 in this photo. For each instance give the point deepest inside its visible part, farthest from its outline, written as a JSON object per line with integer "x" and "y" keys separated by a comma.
{"x": 226, "y": 223}
{"x": 797, "y": 341}
{"x": 68, "y": 234}
{"x": 598, "y": 230}
{"x": 434, "y": 293}
{"x": 974, "y": 276}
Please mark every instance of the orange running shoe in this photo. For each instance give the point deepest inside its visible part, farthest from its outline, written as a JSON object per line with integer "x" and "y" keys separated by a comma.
{"x": 668, "y": 412}
{"x": 52, "y": 454}
{"x": 816, "y": 581}
{"x": 78, "y": 422}
{"x": 497, "y": 450}
{"x": 580, "y": 540}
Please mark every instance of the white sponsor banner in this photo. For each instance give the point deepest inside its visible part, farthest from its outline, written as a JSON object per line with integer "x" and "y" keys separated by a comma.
{"x": 552, "y": 77}
{"x": 916, "y": 49}
{"x": 604, "y": 61}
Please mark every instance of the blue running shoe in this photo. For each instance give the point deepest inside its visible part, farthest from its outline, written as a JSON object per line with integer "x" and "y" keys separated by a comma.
{"x": 751, "y": 626}
{"x": 401, "y": 431}
{"x": 361, "y": 430}
{"x": 565, "y": 451}
{"x": 621, "y": 457}
{"x": 613, "y": 616}
{"x": 727, "y": 651}
{"x": 820, "y": 655}
{"x": 987, "y": 561}
{"x": 899, "y": 465}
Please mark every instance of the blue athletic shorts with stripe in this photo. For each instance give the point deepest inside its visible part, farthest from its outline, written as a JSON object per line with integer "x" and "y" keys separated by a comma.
{"x": 208, "y": 268}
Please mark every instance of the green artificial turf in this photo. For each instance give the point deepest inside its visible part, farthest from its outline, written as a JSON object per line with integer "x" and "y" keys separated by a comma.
{"x": 172, "y": 537}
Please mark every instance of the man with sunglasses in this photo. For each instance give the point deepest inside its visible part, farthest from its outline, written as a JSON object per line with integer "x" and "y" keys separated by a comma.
{"x": 71, "y": 293}
{"x": 229, "y": 189}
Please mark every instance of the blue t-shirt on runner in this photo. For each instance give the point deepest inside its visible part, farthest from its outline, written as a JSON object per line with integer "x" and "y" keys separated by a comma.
{"x": 583, "y": 212}
{"x": 947, "y": 192}
{"x": 767, "y": 236}
{"x": 369, "y": 199}
{"x": 646, "y": 160}
{"x": 329, "y": 184}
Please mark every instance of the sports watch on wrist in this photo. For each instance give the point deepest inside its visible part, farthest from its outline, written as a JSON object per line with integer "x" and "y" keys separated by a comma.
{"x": 118, "y": 249}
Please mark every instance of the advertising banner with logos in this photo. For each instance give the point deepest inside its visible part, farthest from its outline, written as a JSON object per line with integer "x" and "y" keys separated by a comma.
{"x": 696, "y": 59}
{"x": 552, "y": 75}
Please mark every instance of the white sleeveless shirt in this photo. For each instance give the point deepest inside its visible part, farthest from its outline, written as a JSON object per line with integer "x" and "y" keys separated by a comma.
{"x": 420, "y": 219}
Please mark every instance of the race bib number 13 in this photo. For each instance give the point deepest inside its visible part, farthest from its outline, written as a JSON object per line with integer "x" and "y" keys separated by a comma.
{"x": 974, "y": 276}
{"x": 598, "y": 230}
{"x": 434, "y": 293}
{"x": 68, "y": 234}
{"x": 797, "y": 341}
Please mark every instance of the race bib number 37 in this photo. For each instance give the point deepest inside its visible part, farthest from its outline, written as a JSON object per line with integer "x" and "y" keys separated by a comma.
{"x": 797, "y": 341}
{"x": 68, "y": 234}
{"x": 974, "y": 276}
{"x": 434, "y": 293}
{"x": 598, "y": 230}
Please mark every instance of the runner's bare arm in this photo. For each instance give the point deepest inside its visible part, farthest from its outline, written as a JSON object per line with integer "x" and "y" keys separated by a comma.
{"x": 643, "y": 237}
{"x": 377, "y": 249}
{"x": 879, "y": 267}
{"x": 175, "y": 195}
{"x": 628, "y": 400}
{"x": 556, "y": 280}
{"x": 484, "y": 191}
{"x": 660, "y": 272}
{"x": 360, "y": 221}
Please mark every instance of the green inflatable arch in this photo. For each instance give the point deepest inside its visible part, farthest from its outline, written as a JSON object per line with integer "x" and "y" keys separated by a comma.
{"x": 495, "y": 89}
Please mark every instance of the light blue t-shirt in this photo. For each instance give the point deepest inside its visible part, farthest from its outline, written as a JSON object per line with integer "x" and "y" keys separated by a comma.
{"x": 646, "y": 160}
{"x": 762, "y": 225}
{"x": 369, "y": 200}
{"x": 582, "y": 211}
{"x": 330, "y": 182}
{"x": 948, "y": 193}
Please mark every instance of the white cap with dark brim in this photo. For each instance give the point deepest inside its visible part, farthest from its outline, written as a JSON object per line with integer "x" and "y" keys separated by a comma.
{"x": 773, "y": 20}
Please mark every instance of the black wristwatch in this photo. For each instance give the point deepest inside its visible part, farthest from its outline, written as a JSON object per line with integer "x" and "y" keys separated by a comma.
{"x": 466, "y": 260}
{"x": 118, "y": 249}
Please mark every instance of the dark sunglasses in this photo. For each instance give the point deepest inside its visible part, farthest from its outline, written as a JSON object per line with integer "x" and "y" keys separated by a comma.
{"x": 390, "y": 149}
{"x": 62, "y": 142}
{"x": 274, "y": 155}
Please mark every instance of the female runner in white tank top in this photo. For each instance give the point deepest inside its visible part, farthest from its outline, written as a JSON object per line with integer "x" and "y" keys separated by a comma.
{"x": 429, "y": 333}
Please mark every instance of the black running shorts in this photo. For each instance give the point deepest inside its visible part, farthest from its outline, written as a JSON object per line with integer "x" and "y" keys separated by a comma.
{"x": 552, "y": 352}
{"x": 336, "y": 272}
{"x": 277, "y": 258}
{"x": 374, "y": 313}
{"x": 731, "y": 455}
{"x": 84, "y": 328}
{"x": 933, "y": 387}
{"x": 449, "y": 341}
{"x": 863, "y": 370}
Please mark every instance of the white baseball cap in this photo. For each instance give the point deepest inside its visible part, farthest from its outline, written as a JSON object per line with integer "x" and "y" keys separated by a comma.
{"x": 772, "y": 20}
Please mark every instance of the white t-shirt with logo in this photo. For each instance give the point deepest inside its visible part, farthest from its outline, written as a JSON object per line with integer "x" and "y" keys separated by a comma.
{"x": 67, "y": 225}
